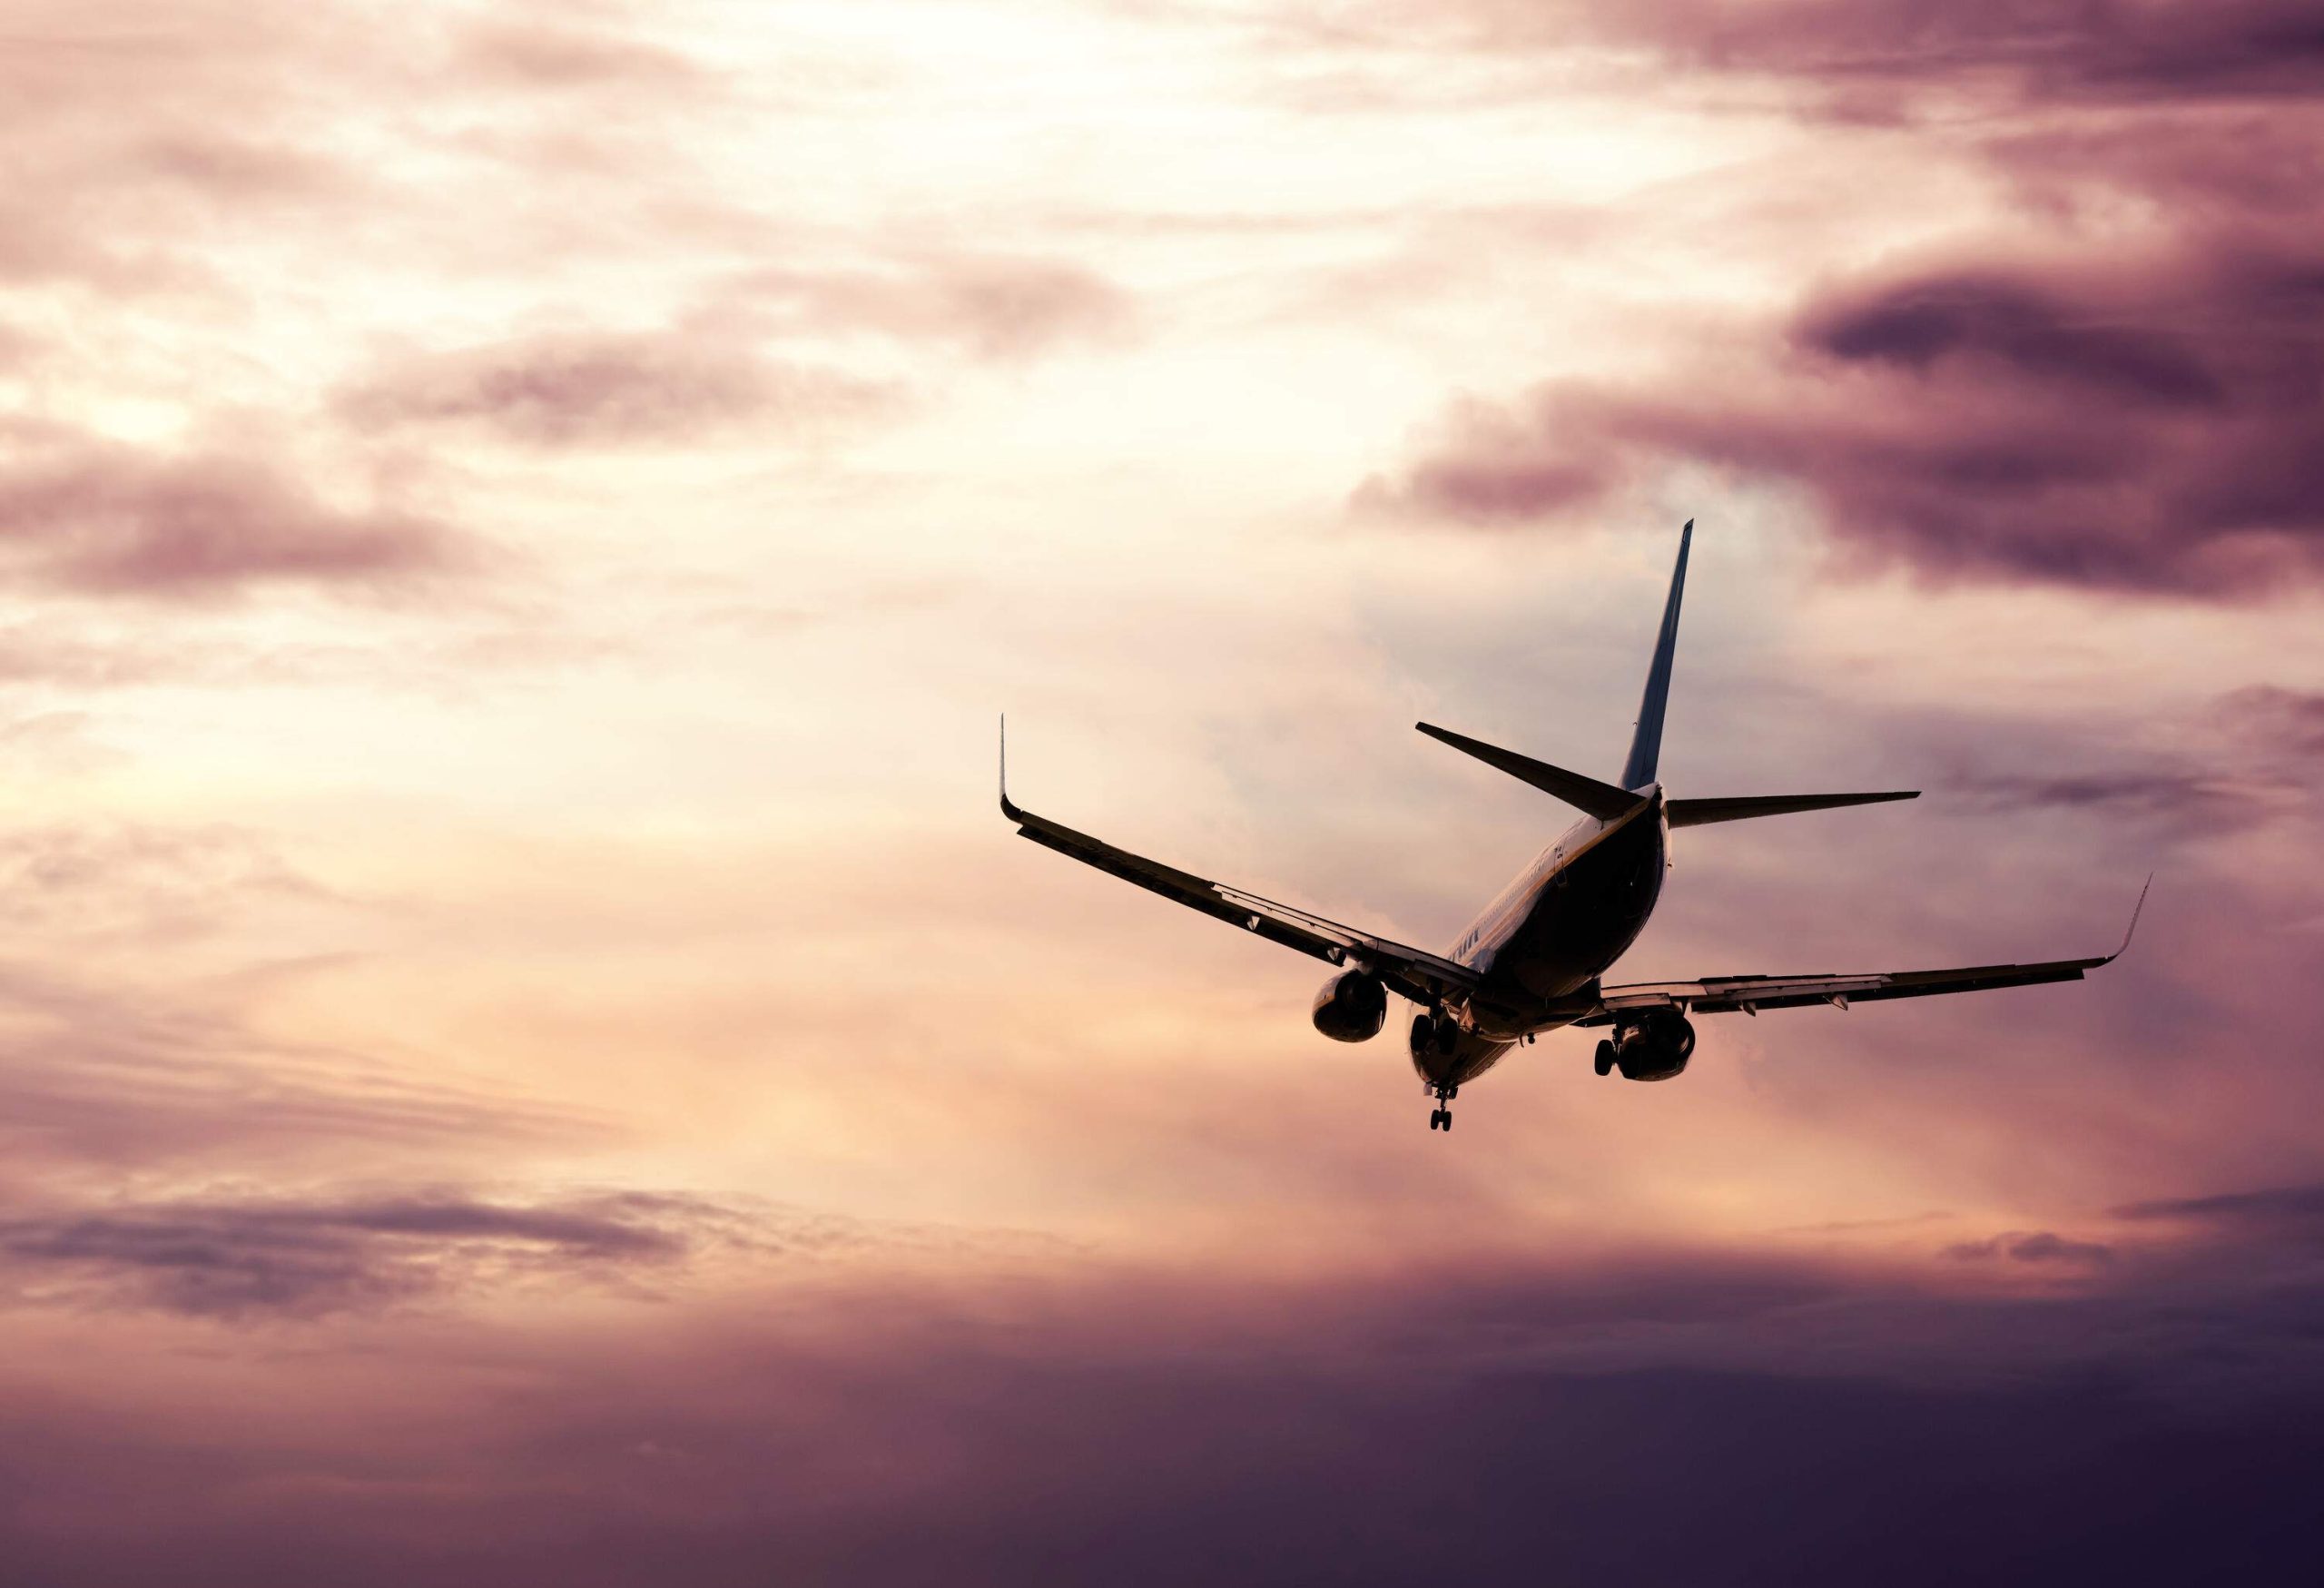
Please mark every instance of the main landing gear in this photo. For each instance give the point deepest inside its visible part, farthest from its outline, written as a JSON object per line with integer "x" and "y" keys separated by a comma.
{"x": 1441, "y": 1119}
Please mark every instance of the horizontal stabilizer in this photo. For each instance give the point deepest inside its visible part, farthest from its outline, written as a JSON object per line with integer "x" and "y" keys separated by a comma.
{"x": 1695, "y": 813}
{"x": 1601, "y": 800}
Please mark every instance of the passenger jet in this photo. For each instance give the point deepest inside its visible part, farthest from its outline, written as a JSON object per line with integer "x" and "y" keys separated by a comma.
{"x": 1533, "y": 959}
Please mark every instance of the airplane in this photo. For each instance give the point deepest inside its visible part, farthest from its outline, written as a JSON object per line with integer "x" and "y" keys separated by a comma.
{"x": 1533, "y": 958}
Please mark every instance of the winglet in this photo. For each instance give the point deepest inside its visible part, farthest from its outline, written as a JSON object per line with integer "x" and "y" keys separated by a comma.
{"x": 1008, "y": 810}
{"x": 2132, "y": 928}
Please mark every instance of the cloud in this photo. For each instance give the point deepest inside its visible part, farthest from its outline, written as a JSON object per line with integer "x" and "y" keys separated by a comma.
{"x": 156, "y": 135}
{"x": 2041, "y": 1246}
{"x": 2111, "y": 49}
{"x": 124, "y": 881}
{"x": 97, "y": 519}
{"x": 99, "y": 1076}
{"x": 712, "y": 373}
{"x": 2116, "y": 386}
{"x": 530, "y": 53}
{"x": 144, "y": 126}
{"x": 2206, "y": 802}
{"x": 994, "y": 306}
{"x": 1821, "y": 1421}
{"x": 2276, "y": 1209}
{"x": 605, "y": 388}
{"x": 242, "y": 1259}
{"x": 2151, "y": 423}
{"x": 2288, "y": 720}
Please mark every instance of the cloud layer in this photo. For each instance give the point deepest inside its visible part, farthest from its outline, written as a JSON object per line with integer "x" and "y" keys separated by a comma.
{"x": 526, "y": 1053}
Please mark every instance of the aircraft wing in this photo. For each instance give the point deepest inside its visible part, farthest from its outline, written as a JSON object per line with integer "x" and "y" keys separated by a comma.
{"x": 1412, "y": 973}
{"x": 1726, "y": 994}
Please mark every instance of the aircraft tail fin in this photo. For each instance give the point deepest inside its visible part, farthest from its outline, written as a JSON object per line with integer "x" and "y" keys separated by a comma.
{"x": 1599, "y": 799}
{"x": 1646, "y": 741}
{"x": 1696, "y": 812}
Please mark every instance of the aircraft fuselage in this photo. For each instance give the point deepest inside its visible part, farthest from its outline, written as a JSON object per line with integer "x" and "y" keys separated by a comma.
{"x": 1566, "y": 917}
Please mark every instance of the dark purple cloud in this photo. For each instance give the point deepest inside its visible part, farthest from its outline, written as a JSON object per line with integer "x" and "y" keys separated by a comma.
{"x": 2152, "y": 423}
{"x": 2040, "y": 1246}
{"x": 2273, "y": 1211}
{"x": 98, "y": 519}
{"x": 1921, "y": 323}
{"x": 246, "y": 1259}
{"x": 2112, "y": 49}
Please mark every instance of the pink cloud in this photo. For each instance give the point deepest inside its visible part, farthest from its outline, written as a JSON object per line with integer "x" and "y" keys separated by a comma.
{"x": 602, "y": 388}
{"x": 554, "y": 55}
{"x": 101, "y": 519}
{"x": 993, "y": 306}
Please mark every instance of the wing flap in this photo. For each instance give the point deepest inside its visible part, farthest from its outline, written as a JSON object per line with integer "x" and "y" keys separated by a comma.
{"x": 1749, "y": 994}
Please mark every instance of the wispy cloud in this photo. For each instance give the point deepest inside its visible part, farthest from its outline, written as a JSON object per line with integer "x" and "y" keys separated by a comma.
{"x": 233, "y": 1261}
{"x": 2039, "y": 1246}
{"x": 604, "y": 389}
{"x": 103, "y": 519}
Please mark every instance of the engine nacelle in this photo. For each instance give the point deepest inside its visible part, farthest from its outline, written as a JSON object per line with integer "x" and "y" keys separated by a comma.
{"x": 1656, "y": 1048}
{"x": 1352, "y": 1007}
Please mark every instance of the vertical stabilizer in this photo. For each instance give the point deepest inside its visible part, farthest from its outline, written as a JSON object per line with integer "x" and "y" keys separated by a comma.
{"x": 1646, "y": 743}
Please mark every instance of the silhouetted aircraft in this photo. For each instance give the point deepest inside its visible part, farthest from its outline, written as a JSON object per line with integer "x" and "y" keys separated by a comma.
{"x": 1533, "y": 959}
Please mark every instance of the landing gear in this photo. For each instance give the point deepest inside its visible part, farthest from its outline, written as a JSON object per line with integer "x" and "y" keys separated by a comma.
{"x": 1605, "y": 1058}
{"x": 1441, "y": 1118}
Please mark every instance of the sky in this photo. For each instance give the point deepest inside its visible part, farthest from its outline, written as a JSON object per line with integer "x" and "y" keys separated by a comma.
{"x": 527, "y": 1053}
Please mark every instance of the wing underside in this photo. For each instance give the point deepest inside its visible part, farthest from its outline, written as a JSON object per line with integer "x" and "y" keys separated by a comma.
{"x": 1750, "y": 994}
{"x": 1411, "y": 972}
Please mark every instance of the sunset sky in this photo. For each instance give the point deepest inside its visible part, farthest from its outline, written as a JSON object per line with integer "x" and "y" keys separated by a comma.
{"x": 527, "y": 1054}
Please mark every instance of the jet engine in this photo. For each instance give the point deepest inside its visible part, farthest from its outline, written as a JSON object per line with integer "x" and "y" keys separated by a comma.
{"x": 1352, "y": 1007}
{"x": 1656, "y": 1048}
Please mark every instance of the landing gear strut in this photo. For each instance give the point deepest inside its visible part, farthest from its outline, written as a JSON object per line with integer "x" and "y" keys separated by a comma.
{"x": 1441, "y": 1119}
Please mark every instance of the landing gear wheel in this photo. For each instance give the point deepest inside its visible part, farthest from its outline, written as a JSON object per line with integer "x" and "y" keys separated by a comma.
{"x": 1441, "y": 1119}
{"x": 1605, "y": 1058}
